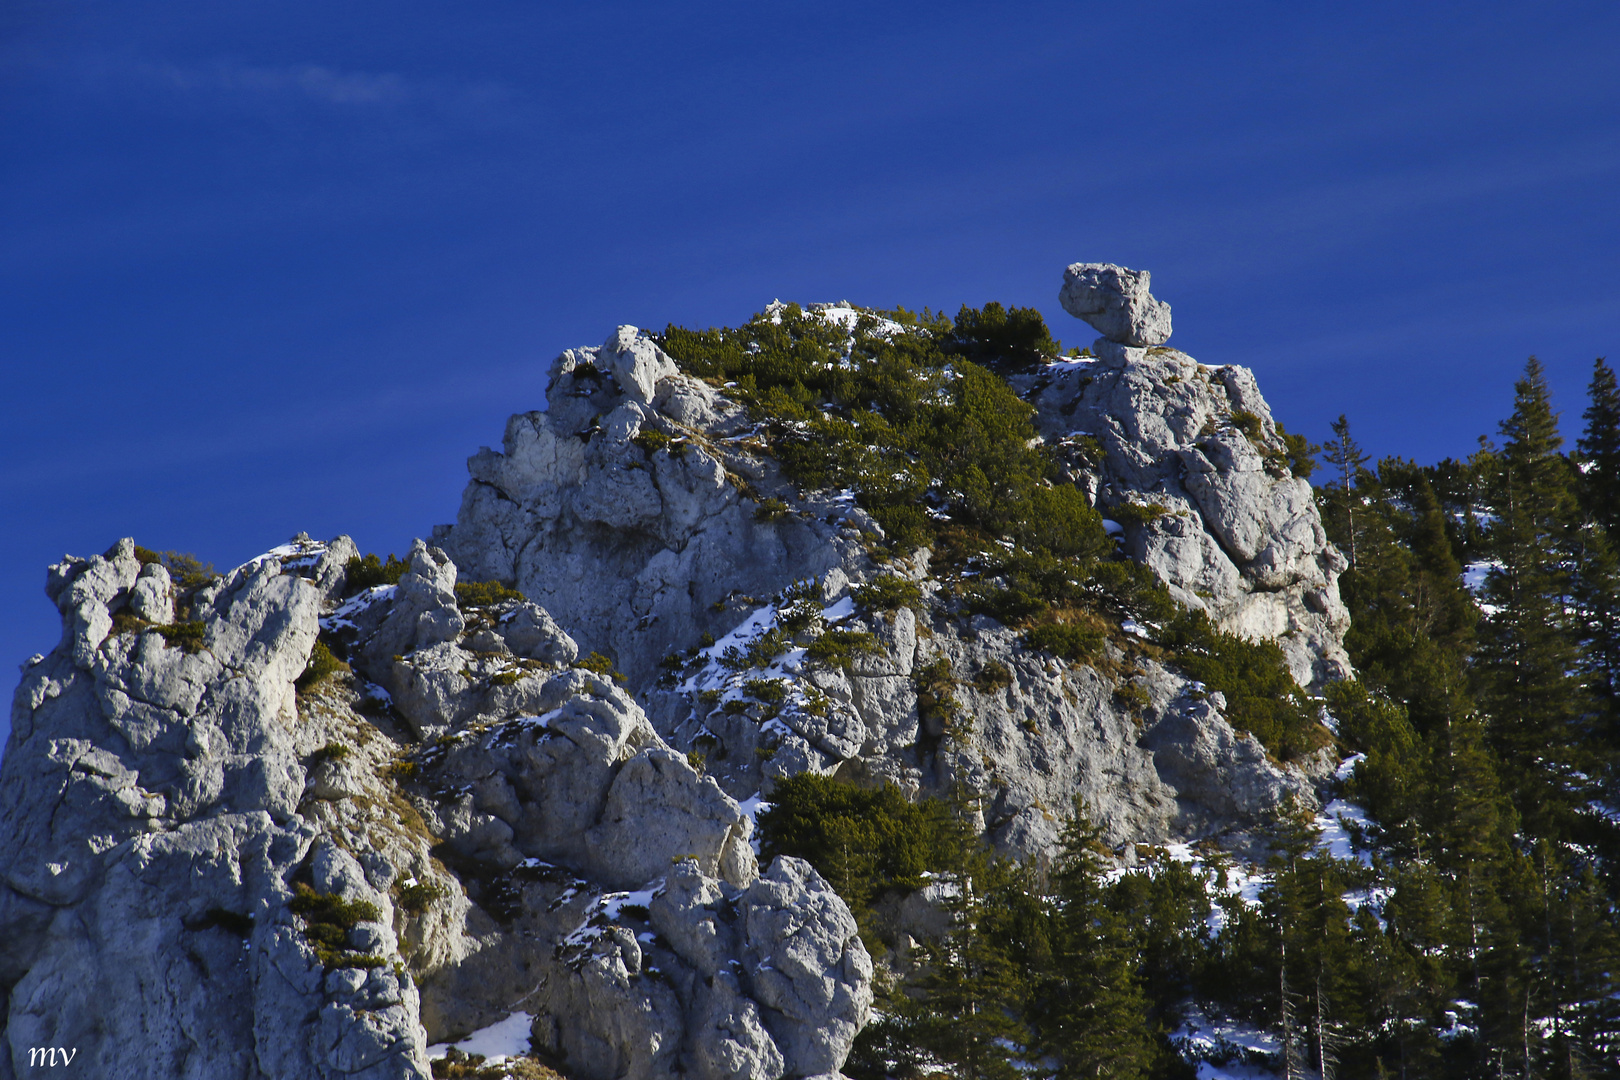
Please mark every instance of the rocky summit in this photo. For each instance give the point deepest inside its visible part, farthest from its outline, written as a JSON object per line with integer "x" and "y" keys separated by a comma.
{"x": 316, "y": 815}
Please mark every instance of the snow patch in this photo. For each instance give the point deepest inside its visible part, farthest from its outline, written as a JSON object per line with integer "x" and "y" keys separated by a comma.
{"x": 501, "y": 1040}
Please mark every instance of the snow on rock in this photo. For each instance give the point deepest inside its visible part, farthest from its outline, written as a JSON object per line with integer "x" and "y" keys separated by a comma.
{"x": 497, "y": 1042}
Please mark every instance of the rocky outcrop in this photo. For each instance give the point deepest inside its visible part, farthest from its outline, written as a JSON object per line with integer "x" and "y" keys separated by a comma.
{"x": 149, "y": 799}
{"x": 629, "y": 508}
{"x": 384, "y": 817}
{"x": 1189, "y": 460}
{"x": 635, "y": 509}
{"x": 463, "y": 827}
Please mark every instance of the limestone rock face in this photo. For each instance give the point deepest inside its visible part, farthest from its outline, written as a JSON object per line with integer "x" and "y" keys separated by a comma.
{"x": 150, "y": 831}
{"x": 628, "y": 508}
{"x": 516, "y": 825}
{"x": 1191, "y": 462}
{"x": 1116, "y": 302}
{"x": 161, "y": 806}
{"x": 637, "y": 520}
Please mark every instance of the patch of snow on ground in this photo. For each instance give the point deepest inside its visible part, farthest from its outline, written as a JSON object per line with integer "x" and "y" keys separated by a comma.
{"x": 1474, "y": 575}
{"x": 839, "y": 611}
{"x": 1201, "y": 1038}
{"x": 343, "y": 617}
{"x": 846, "y": 316}
{"x": 1112, "y": 527}
{"x": 1069, "y": 363}
{"x": 614, "y": 903}
{"x": 1221, "y": 878}
{"x": 294, "y": 555}
{"x": 608, "y": 909}
{"x": 1207, "y": 1071}
{"x": 501, "y": 1040}
{"x": 752, "y": 807}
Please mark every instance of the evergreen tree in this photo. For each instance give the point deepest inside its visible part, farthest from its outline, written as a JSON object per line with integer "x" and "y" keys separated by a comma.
{"x": 1599, "y": 449}
{"x": 1597, "y": 574}
{"x": 1092, "y": 1010}
{"x": 1528, "y": 653}
{"x": 1343, "y": 453}
{"x": 968, "y": 994}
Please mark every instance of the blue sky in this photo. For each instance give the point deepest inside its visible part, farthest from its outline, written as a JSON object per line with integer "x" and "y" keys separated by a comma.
{"x": 277, "y": 266}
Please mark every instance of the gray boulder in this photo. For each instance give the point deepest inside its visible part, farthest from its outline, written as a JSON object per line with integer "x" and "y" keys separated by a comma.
{"x": 1116, "y": 302}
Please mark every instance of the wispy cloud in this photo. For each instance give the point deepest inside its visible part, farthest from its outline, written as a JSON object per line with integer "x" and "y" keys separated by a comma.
{"x": 310, "y": 81}
{"x": 230, "y": 83}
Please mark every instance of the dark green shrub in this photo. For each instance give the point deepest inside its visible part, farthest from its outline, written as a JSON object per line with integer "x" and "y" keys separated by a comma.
{"x": 1251, "y": 425}
{"x": 419, "y": 897}
{"x": 1132, "y": 696}
{"x": 368, "y": 571}
{"x": 838, "y": 648}
{"x": 323, "y": 664}
{"x": 1002, "y": 339}
{"x": 935, "y": 684}
{"x": 1138, "y": 513}
{"x": 1067, "y": 641}
{"x": 471, "y": 594}
{"x": 865, "y": 842}
{"x": 770, "y": 509}
{"x": 184, "y": 635}
{"x": 1261, "y": 695}
{"x": 600, "y": 665}
{"x": 332, "y": 751}
{"x": 328, "y": 918}
{"x": 992, "y": 677}
{"x": 650, "y": 440}
{"x": 771, "y": 691}
{"x": 907, "y": 420}
{"x": 1301, "y": 453}
{"x": 185, "y": 569}
{"x": 798, "y": 616}
{"x": 888, "y": 592}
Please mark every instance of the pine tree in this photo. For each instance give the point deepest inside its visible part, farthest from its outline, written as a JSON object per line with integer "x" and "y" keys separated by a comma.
{"x": 1343, "y": 453}
{"x": 968, "y": 998}
{"x": 1528, "y": 653}
{"x": 1597, "y": 572}
{"x": 1599, "y": 449}
{"x": 1092, "y": 1009}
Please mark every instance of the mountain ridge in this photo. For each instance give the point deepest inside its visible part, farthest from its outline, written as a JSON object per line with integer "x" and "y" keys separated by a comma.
{"x": 390, "y": 852}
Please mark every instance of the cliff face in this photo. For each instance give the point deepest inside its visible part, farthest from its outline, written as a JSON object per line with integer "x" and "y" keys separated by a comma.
{"x": 1230, "y": 530}
{"x": 199, "y": 804}
{"x": 645, "y": 548}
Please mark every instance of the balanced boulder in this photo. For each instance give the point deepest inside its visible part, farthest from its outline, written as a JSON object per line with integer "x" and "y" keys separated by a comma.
{"x": 1116, "y": 302}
